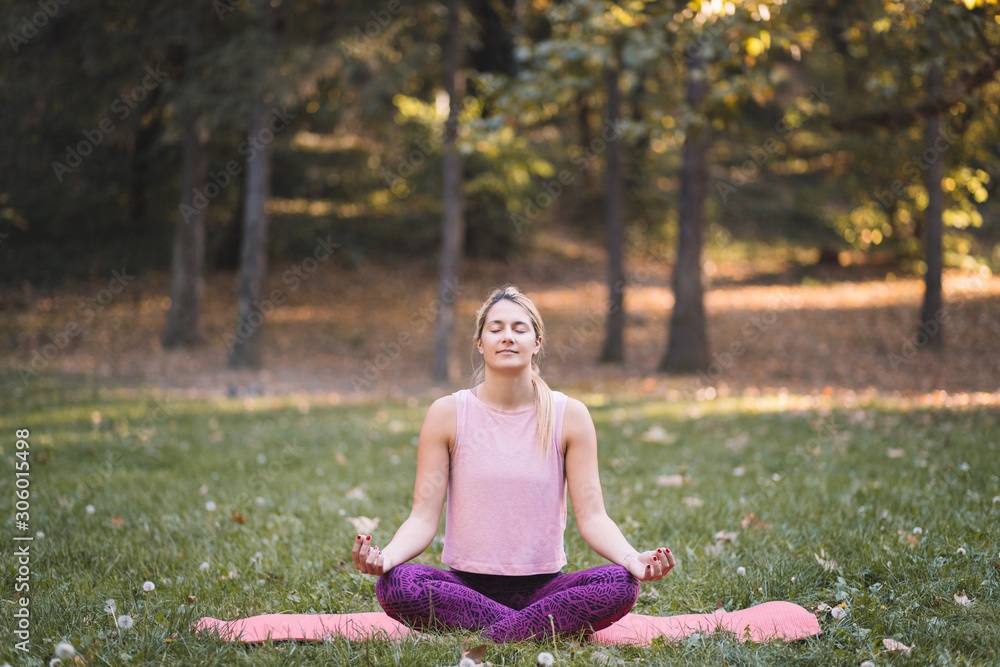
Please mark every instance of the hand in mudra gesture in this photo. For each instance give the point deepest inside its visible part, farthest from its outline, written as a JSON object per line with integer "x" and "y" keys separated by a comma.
{"x": 368, "y": 559}
{"x": 650, "y": 565}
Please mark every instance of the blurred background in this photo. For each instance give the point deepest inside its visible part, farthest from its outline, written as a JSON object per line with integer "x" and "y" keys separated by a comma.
{"x": 242, "y": 196}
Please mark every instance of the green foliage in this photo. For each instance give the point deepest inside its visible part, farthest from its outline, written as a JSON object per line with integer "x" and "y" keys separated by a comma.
{"x": 788, "y": 85}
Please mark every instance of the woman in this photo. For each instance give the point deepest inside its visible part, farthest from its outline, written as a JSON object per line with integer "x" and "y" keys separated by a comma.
{"x": 505, "y": 452}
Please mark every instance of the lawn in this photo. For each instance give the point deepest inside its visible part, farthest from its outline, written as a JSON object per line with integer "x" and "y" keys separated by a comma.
{"x": 241, "y": 506}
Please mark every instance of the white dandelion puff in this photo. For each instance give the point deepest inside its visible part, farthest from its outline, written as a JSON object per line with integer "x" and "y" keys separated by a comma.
{"x": 110, "y": 606}
{"x": 742, "y": 571}
{"x": 961, "y": 551}
{"x": 918, "y": 530}
{"x": 547, "y": 659}
{"x": 90, "y": 509}
{"x": 148, "y": 586}
{"x": 125, "y": 622}
{"x": 210, "y": 505}
{"x": 204, "y": 567}
{"x": 65, "y": 650}
{"x": 466, "y": 662}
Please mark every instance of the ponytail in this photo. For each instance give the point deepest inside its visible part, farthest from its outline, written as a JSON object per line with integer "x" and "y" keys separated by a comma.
{"x": 545, "y": 412}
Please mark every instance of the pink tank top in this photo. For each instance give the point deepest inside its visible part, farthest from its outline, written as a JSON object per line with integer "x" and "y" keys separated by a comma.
{"x": 506, "y": 508}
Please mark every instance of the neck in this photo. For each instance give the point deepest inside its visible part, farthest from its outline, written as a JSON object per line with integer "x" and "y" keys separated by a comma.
{"x": 507, "y": 392}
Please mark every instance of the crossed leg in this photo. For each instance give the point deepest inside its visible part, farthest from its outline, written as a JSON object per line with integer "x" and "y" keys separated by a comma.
{"x": 508, "y": 608}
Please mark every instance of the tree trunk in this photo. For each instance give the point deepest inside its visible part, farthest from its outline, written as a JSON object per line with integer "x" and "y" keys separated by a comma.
{"x": 183, "y": 327}
{"x": 930, "y": 326}
{"x": 245, "y": 347}
{"x": 187, "y": 263}
{"x": 227, "y": 253}
{"x": 687, "y": 351}
{"x": 614, "y": 341}
{"x": 454, "y": 223}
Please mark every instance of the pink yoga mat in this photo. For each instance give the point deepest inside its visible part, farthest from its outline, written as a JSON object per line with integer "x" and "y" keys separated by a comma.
{"x": 767, "y": 621}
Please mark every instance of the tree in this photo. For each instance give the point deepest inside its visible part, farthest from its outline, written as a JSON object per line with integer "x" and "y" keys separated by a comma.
{"x": 183, "y": 327}
{"x": 453, "y": 223}
{"x": 687, "y": 349}
{"x": 614, "y": 341}
{"x": 930, "y": 314}
{"x": 245, "y": 350}
{"x": 917, "y": 50}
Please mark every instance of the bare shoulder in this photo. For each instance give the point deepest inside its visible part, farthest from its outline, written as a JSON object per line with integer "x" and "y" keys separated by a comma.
{"x": 442, "y": 408}
{"x": 578, "y": 425}
{"x": 576, "y": 412}
{"x": 440, "y": 422}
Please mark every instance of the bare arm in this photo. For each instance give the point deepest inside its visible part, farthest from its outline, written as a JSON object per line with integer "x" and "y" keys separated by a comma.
{"x": 437, "y": 436}
{"x": 584, "y": 481}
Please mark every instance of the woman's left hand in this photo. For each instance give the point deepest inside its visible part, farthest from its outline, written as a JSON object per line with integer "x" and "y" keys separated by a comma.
{"x": 650, "y": 565}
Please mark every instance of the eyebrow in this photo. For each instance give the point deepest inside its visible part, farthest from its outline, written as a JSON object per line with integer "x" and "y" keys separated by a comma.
{"x": 527, "y": 324}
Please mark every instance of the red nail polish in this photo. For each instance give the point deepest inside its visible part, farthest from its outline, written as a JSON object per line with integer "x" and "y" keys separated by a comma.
{"x": 654, "y": 557}
{"x": 368, "y": 537}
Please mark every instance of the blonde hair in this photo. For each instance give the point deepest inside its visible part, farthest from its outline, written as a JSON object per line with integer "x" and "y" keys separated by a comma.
{"x": 543, "y": 395}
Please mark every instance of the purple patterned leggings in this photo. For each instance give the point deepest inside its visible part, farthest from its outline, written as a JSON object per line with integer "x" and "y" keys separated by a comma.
{"x": 508, "y": 608}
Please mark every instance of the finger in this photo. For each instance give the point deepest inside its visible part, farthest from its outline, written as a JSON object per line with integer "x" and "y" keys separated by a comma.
{"x": 366, "y": 545}
{"x": 356, "y": 553}
{"x": 667, "y": 558}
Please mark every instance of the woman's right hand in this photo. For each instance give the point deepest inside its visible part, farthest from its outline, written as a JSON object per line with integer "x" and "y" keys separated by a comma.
{"x": 368, "y": 559}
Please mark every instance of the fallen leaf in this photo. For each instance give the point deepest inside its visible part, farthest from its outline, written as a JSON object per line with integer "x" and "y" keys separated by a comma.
{"x": 117, "y": 522}
{"x": 839, "y": 612}
{"x": 657, "y": 433}
{"x": 893, "y": 645}
{"x": 363, "y": 524}
{"x": 237, "y": 517}
{"x": 963, "y": 600}
{"x": 896, "y": 453}
{"x": 673, "y": 480}
{"x": 726, "y": 536}
{"x": 474, "y": 653}
{"x": 752, "y": 521}
{"x": 821, "y": 608}
{"x": 691, "y": 501}
{"x": 737, "y": 443}
{"x": 357, "y": 493}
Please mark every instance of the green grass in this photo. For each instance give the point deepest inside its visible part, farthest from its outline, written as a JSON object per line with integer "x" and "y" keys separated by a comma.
{"x": 819, "y": 478}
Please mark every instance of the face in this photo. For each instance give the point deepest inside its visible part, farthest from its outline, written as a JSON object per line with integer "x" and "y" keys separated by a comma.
{"x": 508, "y": 338}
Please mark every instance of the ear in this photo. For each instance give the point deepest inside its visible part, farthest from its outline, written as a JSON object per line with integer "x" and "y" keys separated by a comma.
{"x": 538, "y": 345}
